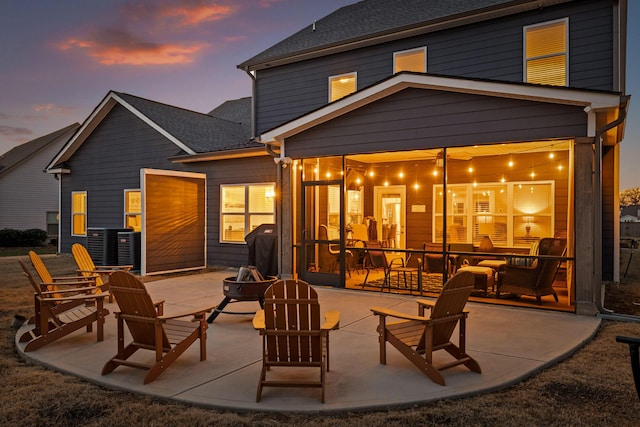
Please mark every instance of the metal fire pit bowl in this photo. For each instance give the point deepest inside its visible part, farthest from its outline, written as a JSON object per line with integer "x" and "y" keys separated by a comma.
{"x": 235, "y": 291}
{"x": 246, "y": 291}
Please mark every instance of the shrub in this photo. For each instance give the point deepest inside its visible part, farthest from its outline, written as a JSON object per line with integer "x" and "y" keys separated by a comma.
{"x": 10, "y": 238}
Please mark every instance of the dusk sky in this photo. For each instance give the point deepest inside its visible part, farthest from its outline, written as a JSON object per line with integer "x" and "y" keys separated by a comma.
{"x": 59, "y": 58}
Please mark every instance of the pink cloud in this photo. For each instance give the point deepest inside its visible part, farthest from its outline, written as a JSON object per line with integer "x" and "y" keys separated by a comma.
{"x": 53, "y": 109}
{"x": 119, "y": 47}
{"x": 156, "y": 32}
{"x": 198, "y": 14}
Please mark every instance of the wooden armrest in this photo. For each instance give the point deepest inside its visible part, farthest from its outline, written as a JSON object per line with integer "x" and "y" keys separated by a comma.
{"x": 82, "y": 283}
{"x": 195, "y": 312}
{"x": 380, "y": 311}
{"x": 67, "y": 291}
{"x": 426, "y": 303}
{"x": 258, "y": 320}
{"x": 114, "y": 267}
{"x": 331, "y": 320}
{"x": 70, "y": 279}
{"x": 100, "y": 270}
{"x": 159, "y": 306}
{"x": 77, "y": 297}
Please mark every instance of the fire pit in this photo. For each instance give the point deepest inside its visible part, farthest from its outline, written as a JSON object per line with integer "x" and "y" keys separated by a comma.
{"x": 250, "y": 288}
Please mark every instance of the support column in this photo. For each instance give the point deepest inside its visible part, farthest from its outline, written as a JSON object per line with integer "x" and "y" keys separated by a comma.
{"x": 585, "y": 238}
{"x": 285, "y": 222}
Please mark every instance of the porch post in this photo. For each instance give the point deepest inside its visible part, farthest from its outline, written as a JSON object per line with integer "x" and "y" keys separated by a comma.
{"x": 285, "y": 222}
{"x": 585, "y": 227}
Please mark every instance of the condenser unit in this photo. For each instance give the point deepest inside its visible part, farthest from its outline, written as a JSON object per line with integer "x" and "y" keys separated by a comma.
{"x": 102, "y": 245}
{"x": 129, "y": 249}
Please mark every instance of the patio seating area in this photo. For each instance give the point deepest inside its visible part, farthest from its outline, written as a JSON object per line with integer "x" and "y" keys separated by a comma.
{"x": 509, "y": 343}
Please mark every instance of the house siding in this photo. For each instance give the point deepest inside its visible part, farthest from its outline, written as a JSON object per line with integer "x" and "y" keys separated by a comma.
{"x": 108, "y": 162}
{"x": 223, "y": 172}
{"x": 418, "y": 119}
{"x": 487, "y": 50}
{"x": 27, "y": 193}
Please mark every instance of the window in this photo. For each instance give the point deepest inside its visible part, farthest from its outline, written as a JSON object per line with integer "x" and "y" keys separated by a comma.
{"x": 52, "y": 223}
{"x": 243, "y": 208}
{"x": 410, "y": 60}
{"x": 545, "y": 53}
{"x": 512, "y": 214}
{"x": 341, "y": 86}
{"x": 79, "y": 213}
{"x": 132, "y": 210}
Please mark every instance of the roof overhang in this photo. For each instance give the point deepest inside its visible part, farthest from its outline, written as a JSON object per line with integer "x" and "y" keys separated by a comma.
{"x": 596, "y": 100}
{"x": 221, "y": 155}
{"x": 90, "y": 124}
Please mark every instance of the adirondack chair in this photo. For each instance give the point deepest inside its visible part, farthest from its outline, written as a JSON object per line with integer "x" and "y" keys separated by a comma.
{"x": 292, "y": 334}
{"x": 87, "y": 268}
{"x": 58, "y": 316}
{"x": 167, "y": 336}
{"x": 54, "y": 283}
{"x": 417, "y": 337}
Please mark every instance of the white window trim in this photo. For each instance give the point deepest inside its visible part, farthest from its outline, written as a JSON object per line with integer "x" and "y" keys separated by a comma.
{"x": 525, "y": 60}
{"x": 417, "y": 49}
{"x": 86, "y": 213}
{"x": 353, "y": 74}
{"x": 246, "y": 212}
{"x": 124, "y": 205}
{"x": 510, "y": 215}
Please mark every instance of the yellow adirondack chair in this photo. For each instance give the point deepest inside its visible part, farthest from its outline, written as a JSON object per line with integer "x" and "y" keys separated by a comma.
{"x": 54, "y": 283}
{"x": 88, "y": 269}
{"x": 56, "y": 317}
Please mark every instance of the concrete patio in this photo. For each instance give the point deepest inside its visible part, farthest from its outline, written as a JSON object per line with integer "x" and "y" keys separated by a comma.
{"x": 509, "y": 343}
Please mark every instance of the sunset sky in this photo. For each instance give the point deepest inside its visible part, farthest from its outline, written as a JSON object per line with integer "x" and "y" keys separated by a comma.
{"x": 59, "y": 58}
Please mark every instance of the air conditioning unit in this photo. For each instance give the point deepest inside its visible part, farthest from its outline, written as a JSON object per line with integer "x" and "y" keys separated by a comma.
{"x": 129, "y": 249}
{"x": 102, "y": 245}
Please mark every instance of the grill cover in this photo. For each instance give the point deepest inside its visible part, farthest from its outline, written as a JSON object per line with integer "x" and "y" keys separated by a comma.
{"x": 263, "y": 249}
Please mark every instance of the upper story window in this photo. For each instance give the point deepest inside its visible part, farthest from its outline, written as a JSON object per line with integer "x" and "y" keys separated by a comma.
{"x": 133, "y": 210}
{"x": 341, "y": 86}
{"x": 79, "y": 213}
{"x": 410, "y": 60}
{"x": 243, "y": 208}
{"x": 546, "y": 53}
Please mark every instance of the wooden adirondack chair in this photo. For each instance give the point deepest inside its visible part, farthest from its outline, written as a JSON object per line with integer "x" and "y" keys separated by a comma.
{"x": 58, "y": 316}
{"x": 417, "y": 337}
{"x": 292, "y": 334}
{"x": 167, "y": 336}
{"x": 54, "y": 283}
{"x": 88, "y": 269}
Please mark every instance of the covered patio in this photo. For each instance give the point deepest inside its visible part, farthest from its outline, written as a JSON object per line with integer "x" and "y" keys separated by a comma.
{"x": 509, "y": 343}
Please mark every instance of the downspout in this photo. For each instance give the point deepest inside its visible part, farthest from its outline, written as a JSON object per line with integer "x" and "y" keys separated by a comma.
{"x": 278, "y": 158}
{"x": 253, "y": 102}
{"x": 597, "y": 255}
